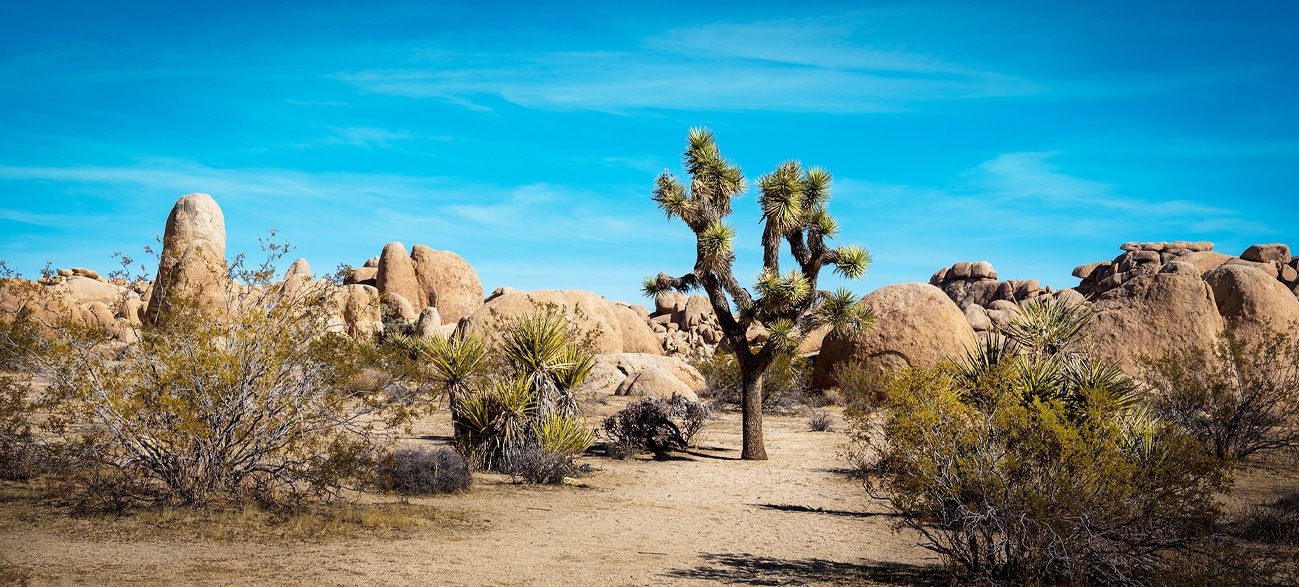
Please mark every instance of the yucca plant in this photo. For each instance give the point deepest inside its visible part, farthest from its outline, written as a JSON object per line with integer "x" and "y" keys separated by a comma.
{"x": 794, "y": 203}
{"x": 527, "y": 415}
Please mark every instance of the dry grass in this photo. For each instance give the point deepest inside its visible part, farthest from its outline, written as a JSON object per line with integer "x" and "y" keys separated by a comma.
{"x": 28, "y": 506}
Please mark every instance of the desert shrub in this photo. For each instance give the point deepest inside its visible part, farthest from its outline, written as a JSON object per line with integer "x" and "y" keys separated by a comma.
{"x": 860, "y": 384}
{"x": 1238, "y": 398}
{"x": 20, "y": 454}
{"x": 506, "y": 415}
{"x": 1027, "y": 464}
{"x": 248, "y": 402}
{"x": 654, "y": 425}
{"x": 423, "y": 471}
{"x": 784, "y": 384}
{"x": 820, "y": 421}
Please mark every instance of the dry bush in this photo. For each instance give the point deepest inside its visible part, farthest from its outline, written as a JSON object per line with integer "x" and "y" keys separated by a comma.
{"x": 654, "y": 425}
{"x": 422, "y": 471}
{"x": 1238, "y": 398}
{"x": 215, "y": 405}
{"x": 820, "y": 421}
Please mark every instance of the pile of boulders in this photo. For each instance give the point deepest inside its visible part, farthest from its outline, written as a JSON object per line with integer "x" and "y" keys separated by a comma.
{"x": 989, "y": 304}
{"x": 685, "y": 326}
{"x": 1179, "y": 256}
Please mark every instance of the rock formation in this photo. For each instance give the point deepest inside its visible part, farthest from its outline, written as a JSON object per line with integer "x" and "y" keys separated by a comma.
{"x": 426, "y": 278}
{"x": 193, "y": 262}
{"x": 614, "y": 326}
{"x": 916, "y": 326}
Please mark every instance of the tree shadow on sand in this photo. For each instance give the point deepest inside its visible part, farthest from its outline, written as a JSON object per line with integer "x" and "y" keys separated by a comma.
{"x": 744, "y": 569}
{"x": 812, "y": 510}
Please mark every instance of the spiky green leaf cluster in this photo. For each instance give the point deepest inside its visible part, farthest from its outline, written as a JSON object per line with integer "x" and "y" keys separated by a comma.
{"x": 852, "y": 261}
{"x": 843, "y": 314}
{"x": 563, "y": 435}
{"x": 671, "y": 197}
{"x": 706, "y": 164}
{"x": 779, "y": 291}
{"x": 784, "y": 334}
{"x": 716, "y": 243}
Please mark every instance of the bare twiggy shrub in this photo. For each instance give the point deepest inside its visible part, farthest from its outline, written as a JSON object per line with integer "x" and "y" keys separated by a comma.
{"x": 820, "y": 421}
{"x": 654, "y": 425}
{"x": 422, "y": 471}
{"x": 1238, "y": 398}
{"x": 214, "y": 405}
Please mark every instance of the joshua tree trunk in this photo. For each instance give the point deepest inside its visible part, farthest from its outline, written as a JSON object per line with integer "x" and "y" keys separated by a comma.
{"x": 751, "y": 409}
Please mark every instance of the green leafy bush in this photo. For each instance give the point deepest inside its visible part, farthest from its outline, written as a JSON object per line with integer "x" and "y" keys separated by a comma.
{"x": 1028, "y": 464}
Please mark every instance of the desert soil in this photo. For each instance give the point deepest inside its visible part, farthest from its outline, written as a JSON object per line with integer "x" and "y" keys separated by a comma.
{"x": 701, "y": 517}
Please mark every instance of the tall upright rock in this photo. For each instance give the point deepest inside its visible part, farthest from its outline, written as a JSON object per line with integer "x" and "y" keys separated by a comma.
{"x": 397, "y": 275}
{"x": 446, "y": 282}
{"x": 193, "y": 261}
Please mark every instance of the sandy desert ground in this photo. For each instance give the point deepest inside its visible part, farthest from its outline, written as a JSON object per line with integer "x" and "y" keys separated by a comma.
{"x": 697, "y": 518}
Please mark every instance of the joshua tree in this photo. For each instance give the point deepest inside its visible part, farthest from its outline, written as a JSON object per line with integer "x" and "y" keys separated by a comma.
{"x": 788, "y": 305}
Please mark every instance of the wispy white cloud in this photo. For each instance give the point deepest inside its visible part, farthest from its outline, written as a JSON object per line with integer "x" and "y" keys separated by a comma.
{"x": 775, "y": 66}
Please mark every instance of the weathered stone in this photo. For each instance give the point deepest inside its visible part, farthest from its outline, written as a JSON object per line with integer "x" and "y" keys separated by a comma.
{"x": 983, "y": 292}
{"x": 1155, "y": 247}
{"x": 1204, "y": 261}
{"x": 669, "y": 302}
{"x": 192, "y": 263}
{"x": 92, "y": 274}
{"x": 1288, "y": 274}
{"x": 696, "y": 312}
{"x": 616, "y": 328}
{"x": 960, "y": 271}
{"x": 655, "y": 382}
{"x": 1180, "y": 268}
{"x": 1000, "y": 318}
{"x": 86, "y": 290}
{"x": 977, "y": 317}
{"x": 300, "y": 268}
{"x": 1268, "y": 269}
{"x": 363, "y": 275}
{"x": 397, "y": 274}
{"x": 1070, "y": 297}
{"x": 64, "y": 273}
{"x": 448, "y": 282}
{"x": 1152, "y": 315}
{"x": 398, "y": 306}
{"x": 500, "y": 291}
{"x": 1252, "y": 299}
{"x": 1026, "y": 289}
{"x": 356, "y": 311}
{"x": 429, "y": 323}
{"x": 1267, "y": 253}
{"x": 372, "y": 262}
{"x": 1130, "y": 247}
{"x": 916, "y": 325}
{"x": 1145, "y": 257}
{"x": 939, "y": 276}
{"x": 1004, "y": 306}
{"x": 612, "y": 370}
{"x": 982, "y": 270}
{"x": 1086, "y": 271}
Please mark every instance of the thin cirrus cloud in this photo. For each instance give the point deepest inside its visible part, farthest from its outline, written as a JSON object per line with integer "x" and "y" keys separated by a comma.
{"x": 795, "y": 67}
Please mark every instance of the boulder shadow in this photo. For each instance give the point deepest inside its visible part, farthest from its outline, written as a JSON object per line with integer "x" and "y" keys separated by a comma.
{"x": 745, "y": 569}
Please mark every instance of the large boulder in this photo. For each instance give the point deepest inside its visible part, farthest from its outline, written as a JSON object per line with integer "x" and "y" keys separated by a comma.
{"x": 396, "y": 274}
{"x": 615, "y": 327}
{"x": 85, "y": 290}
{"x": 1252, "y": 298}
{"x": 193, "y": 262}
{"x": 1204, "y": 261}
{"x": 447, "y": 282}
{"x": 655, "y": 382}
{"x": 356, "y": 311}
{"x": 916, "y": 326}
{"x": 1267, "y": 253}
{"x": 1152, "y": 315}
{"x": 610, "y": 372}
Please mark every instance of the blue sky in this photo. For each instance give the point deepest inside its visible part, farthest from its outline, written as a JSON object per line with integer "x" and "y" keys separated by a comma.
{"x": 526, "y": 137}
